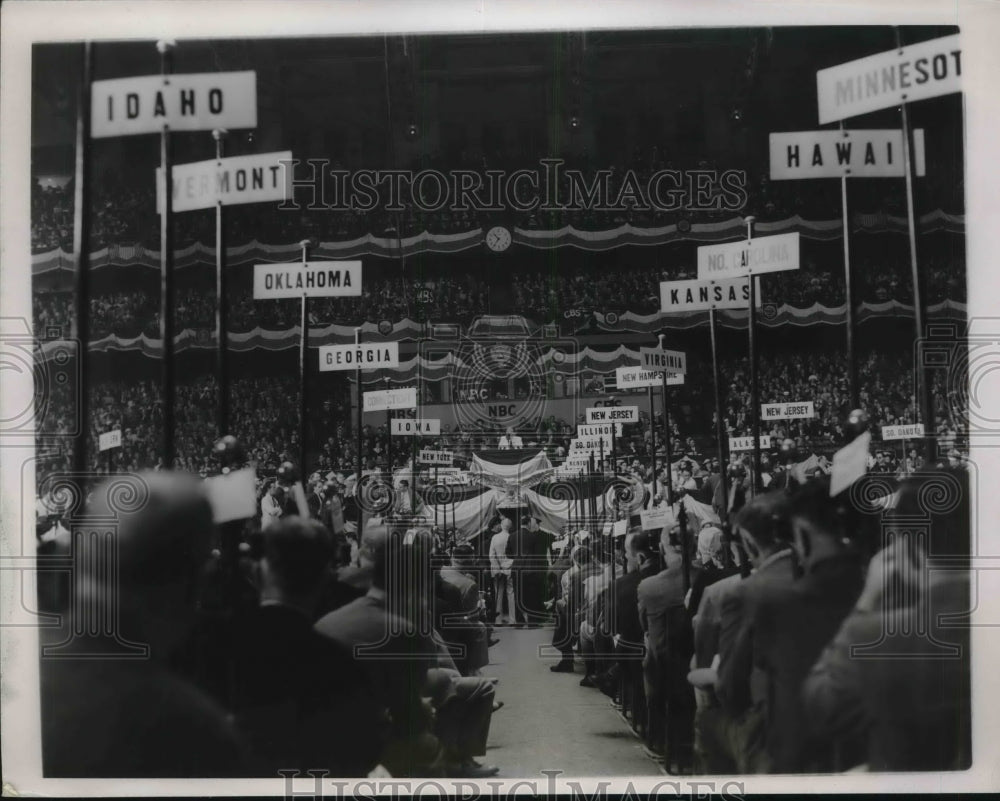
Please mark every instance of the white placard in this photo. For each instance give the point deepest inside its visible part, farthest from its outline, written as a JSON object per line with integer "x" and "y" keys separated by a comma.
{"x": 663, "y": 361}
{"x": 763, "y": 254}
{"x": 382, "y": 400}
{"x": 599, "y": 430}
{"x": 698, "y": 295}
{"x": 610, "y": 414}
{"x": 849, "y": 463}
{"x": 656, "y": 518}
{"x": 234, "y": 181}
{"x": 831, "y": 154}
{"x": 233, "y": 496}
{"x": 110, "y": 439}
{"x": 319, "y": 279}
{"x": 787, "y": 411}
{"x": 358, "y": 357}
{"x": 417, "y": 427}
{"x": 638, "y": 378}
{"x": 591, "y": 444}
{"x": 746, "y": 443}
{"x": 887, "y": 79}
{"x": 914, "y": 431}
{"x": 436, "y": 458}
{"x": 191, "y": 102}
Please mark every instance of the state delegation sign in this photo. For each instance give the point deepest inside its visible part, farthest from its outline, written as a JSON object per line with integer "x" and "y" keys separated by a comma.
{"x": 110, "y": 439}
{"x": 319, "y": 279}
{"x": 638, "y": 378}
{"x": 358, "y": 357}
{"x": 243, "y": 179}
{"x": 746, "y": 443}
{"x": 887, "y": 79}
{"x": 914, "y": 431}
{"x": 610, "y": 414}
{"x": 787, "y": 411}
{"x": 427, "y": 427}
{"x": 436, "y": 458}
{"x": 191, "y": 102}
{"x": 605, "y": 430}
{"x": 663, "y": 361}
{"x": 698, "y": 295}
{"x": 765, "y": 254}
{"x": 382, "y": 400}
{"x": 831, "y": 154}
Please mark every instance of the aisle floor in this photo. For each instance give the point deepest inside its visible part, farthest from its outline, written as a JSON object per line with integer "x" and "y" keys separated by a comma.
{"x": 549, "y": 722}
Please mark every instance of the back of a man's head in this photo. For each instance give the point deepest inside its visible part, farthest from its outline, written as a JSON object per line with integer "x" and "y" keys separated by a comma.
{"x": 463, "y": 556}
{"x": 298, "y": 552}
{"x": 372, "y": 552}
{"x": 163, "y": 530}
{"x": 765, "y": 519}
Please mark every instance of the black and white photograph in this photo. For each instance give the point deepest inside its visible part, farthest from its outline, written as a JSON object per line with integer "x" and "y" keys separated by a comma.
{"x": 446, "y": 397}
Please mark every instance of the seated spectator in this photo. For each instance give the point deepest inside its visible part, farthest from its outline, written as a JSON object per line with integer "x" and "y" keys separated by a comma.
{"x": 132, "y": 717}
{"x": 908, "y": 702}
{"x": 301, "y": 698}
{"x": 620, "y": 614}
{"x": 396, "y": 656}
{"x": 667, "y": 629}
{"x": 459, "y": 617}
{"x": 733, "y": 727}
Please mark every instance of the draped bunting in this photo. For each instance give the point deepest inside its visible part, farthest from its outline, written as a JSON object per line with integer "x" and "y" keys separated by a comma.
{"x": 517, "y": 465}
{"x": 261, "y": 339}
{"x": 471, "y": 516}
{"x": 392, "y": 247}
{"x": 556, "y": 513}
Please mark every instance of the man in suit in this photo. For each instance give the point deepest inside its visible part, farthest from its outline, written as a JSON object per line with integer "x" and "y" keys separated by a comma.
{"x": 621, "y": 608}
{"x": 528, "y": 550}
{"x": 731, "y": 730}
{"x": 785, "y": 622}
{"x": 135, "y": 717}
{"x": 459, "y": 616}
{"x": 397, "y": 657}
{"x": 289, "y": 681}
{"x": 907, "y": 699}
{"x": 664, "y": 621}
{"x": 509, "y": 441}
{"x": 500, "y": 568}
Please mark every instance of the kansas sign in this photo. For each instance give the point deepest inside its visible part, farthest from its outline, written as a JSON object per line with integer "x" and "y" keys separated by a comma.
{"x": 887, "y": 79}
{"x": 697, "y": 295}
{"x": 192, "y": 102}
